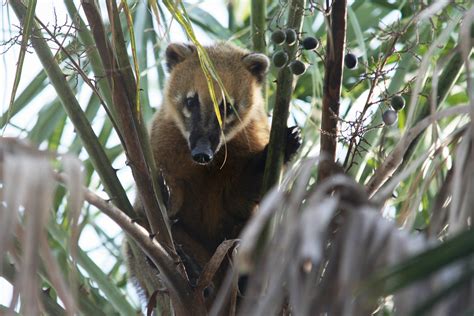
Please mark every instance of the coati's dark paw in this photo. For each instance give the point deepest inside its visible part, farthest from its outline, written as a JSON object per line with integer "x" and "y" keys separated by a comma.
{"x": 293, "y": 142}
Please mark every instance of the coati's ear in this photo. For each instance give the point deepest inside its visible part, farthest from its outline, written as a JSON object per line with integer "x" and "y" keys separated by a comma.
{"x": 257, "y": 64}
{"x": 176, "y": 53}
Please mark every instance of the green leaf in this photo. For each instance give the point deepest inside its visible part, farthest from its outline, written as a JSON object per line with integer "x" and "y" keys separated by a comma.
{"x": 424, "y": 307}
{"x": 422, "y": 265}
{"x": 110, "y": 290}
{"x": 29, "y": 93}
{"x": 28, "y": 24}
{"x": 208, "y": 23}
{"x": 48, "y": 119}
{"x": 358, "y": 32}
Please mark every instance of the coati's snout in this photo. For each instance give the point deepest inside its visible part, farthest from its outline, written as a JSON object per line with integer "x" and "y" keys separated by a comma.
{"x": 202, "y": 151}
{"x": 201, "y": 129}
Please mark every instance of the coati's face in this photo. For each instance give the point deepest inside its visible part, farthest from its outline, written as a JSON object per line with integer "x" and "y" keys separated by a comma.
{"x": 189, "y": 102}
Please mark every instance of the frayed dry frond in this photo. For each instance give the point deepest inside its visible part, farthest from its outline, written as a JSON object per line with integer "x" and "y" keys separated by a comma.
{"x": 462, "y": 181}
{"x": 289, "y": 261}
{"x": 424, "y": 69}
{"x": 324, "y": 250}
{"x": 28, "y": 183}
{"x": 394, "y": 159}
{"x": 310, "y": 252}
{"x": 462, "y": 212}
{"x": 382, "y": 194}
{"x": 28, "y": 189}
{"x": 8, "y": 220}
{"x": 433, "y": 9}
{"x": 74, "y": 180}
{"x": 366, "y": 243}
{"x": 275, "y": 199}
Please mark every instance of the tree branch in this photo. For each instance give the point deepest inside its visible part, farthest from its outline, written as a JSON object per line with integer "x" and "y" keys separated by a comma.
{"x": 336, "y": 41}
{"x": 131, "y": 127}
{"x": 257, "y": 20}
{"x": 158, "y": 254}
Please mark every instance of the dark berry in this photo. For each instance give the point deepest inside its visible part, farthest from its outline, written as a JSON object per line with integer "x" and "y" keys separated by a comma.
{"x": 280, "y": 59}
{"x": 207, "y": 292}
{"x": 297, "y": 67}
{"x": 278, "y": 37}
{"x": 310, "y": 43}
{"x": 291, "y": 37}
{"x": 398, "y": 102}
{"x": 389, "y": 117}
{"x": 350, "y": 60}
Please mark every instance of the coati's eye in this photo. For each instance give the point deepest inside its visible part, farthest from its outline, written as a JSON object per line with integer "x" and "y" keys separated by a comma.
{"x": 192, "y": 102}
{"x": 228, "y": 108}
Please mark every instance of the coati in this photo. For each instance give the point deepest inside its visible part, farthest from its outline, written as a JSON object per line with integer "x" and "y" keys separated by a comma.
{"x": 213, "y": 174}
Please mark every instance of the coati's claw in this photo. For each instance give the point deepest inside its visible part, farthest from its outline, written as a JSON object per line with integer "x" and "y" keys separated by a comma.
{"x": 293, "y": 142}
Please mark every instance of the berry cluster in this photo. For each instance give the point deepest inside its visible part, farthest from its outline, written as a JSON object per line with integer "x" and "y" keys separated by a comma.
{"x": 390, "y": 116}
{"x": 397, "y": 102}
{"x": 280, "y": 58}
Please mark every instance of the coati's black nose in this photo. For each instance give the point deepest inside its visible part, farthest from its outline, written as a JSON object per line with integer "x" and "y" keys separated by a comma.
{"x": 202, "y": 152}
{"x": 202, "y": 158}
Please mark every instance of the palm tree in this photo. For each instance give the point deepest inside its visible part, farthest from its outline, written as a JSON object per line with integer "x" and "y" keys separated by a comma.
{"x": 373, "y": 216}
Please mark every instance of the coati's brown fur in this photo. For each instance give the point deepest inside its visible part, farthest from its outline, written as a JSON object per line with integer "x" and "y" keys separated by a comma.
{"x": 210, "y": 201}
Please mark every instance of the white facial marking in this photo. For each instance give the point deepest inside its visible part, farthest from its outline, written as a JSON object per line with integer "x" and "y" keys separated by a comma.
{"x": 186, "y": 112}
{"x": 229, "y": 119}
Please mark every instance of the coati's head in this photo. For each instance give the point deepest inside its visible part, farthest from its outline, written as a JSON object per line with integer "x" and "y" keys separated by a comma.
{"x": 189, "y": 102}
